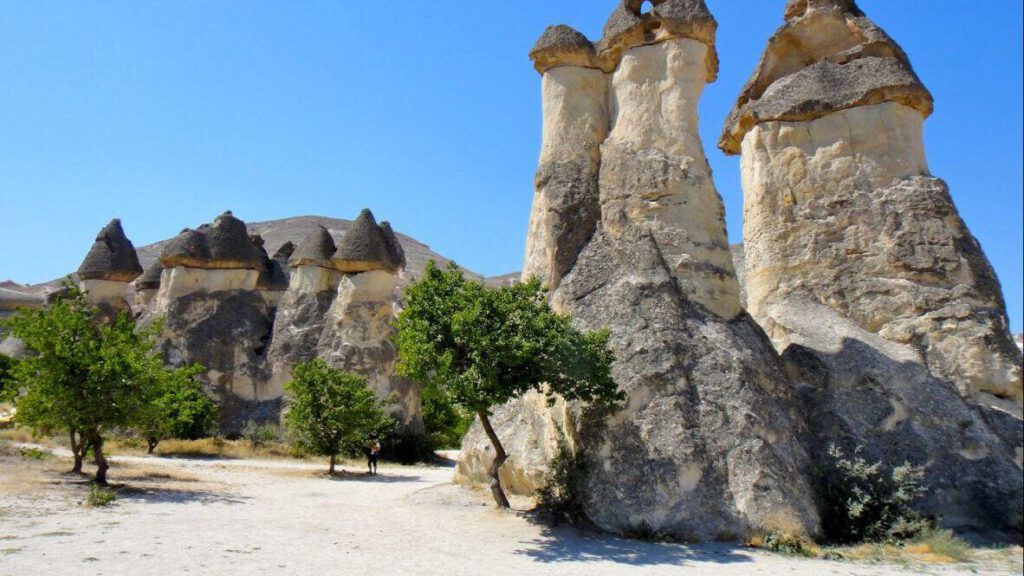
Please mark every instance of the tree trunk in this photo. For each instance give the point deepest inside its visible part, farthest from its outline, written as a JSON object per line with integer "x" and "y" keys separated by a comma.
{"x": 152, "y": 442}
{"x": 101, "y": 461}
{"x": 77, "y": 451}
{"x": 334, "y": 458}
{"x": 499, "y": 458}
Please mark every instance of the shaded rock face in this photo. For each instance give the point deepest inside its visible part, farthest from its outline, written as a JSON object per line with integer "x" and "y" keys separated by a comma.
{"x": 860, "y": 389}
{"x": 339, "y": 306}
{"x": 707, "y": 444}
{"x": 882, "y": 303}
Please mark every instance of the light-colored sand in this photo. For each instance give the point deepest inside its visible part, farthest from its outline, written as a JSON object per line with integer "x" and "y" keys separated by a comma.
{"x": 246, "y": 517}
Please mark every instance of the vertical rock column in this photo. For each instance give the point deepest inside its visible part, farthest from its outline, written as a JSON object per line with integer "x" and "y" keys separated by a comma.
{"x": 359, "y": 324}
{"x": 302, "y": 311}
{"x": 108, "y": 268}
{"x": 566, "y": 205}
{"x": 883, "y": 304}
{"x": 654, "y": 175}
{"x": 214, "y": 316}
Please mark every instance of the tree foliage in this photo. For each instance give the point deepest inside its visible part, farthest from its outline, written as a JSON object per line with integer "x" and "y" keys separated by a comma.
{"x": 870, "y": 502}
{"x": 330, "y": 410}
{"x": 7, "y": 388}
{"x": 485, "y": 346}
{"x": 444, "y": 421}
{"x": 179, "y": 408}
{"x": 84, "y": 376}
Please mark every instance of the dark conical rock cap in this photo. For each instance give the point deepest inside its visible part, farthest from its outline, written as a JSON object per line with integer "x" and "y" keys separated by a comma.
{"x": 150, "y": 279}
{"x": 828, "y": 56}
{"x": 628, "y": 27}
{"x": 562, "y": 45}
{"x": 395, "y": 250}
{"x": 189, "y": 248}
{"x": 364, "y": 247}
{"x": 230, "y": 244}
{"x": 316, "y": 249}
{"x": 112, "y": 256}
{"x": 284, "y": 252}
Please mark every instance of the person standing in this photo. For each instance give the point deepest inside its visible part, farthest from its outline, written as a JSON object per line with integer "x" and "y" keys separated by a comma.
{"x": 372, "y": 454}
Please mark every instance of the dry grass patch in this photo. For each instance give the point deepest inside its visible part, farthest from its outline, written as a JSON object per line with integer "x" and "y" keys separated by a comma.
{"x": 931, "y": 547}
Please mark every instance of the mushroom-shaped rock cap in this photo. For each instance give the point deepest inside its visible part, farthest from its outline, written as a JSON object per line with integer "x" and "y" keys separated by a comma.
{"x": 230, "y": 244}
{"x": 112, "y": 256}
{"x": 395, "y": 249}
{"x": 316, "y": 249}
{"x": 364, "y": 247}
{"x": 188, "y": 248}
{"x": 150, "y": 279}
{"x": 797, "y": 8}
{"x": 628, "y": 26}
{"x": 827, "y": 57}
{"x": 562, "y": 45}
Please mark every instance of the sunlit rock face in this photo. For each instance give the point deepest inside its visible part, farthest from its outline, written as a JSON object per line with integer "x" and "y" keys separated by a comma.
{"x": 707, "y": 444}
{"x": 884, "y": 307}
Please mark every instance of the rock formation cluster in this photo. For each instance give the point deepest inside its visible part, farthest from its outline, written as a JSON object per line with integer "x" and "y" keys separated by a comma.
{"x": 248, "y": 317}
{"x": 888, "y": 317}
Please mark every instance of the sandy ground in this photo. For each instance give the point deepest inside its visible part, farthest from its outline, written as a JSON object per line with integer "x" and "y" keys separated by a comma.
{"x": 183, "y": 516}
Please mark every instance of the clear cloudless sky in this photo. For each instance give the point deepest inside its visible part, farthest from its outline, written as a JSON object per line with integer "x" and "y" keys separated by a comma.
{"x": 167, "y": 113}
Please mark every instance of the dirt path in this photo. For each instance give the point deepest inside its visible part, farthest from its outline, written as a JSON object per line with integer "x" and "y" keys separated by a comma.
{"x": 255, "y": 517}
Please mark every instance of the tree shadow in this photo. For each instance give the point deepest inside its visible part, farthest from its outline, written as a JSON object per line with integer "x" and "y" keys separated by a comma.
{"x": 568, "y": 544}
{"x": 382, "y": 478}
{"x": 156, "y": 495}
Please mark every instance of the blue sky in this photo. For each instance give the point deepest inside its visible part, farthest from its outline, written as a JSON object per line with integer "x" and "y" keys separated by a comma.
{"x": 167, "y": 113}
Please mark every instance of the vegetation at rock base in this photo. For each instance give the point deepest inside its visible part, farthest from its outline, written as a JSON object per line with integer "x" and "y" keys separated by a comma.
{"x": 444, "y": 421}
{"x": 86, "y": 376}
{"x": 330, "y": 410}
{"x": 870, "y": 502}
{"x": 259, "y": 435}
{"x": 485, "y": 346}
{"x": 180, "y": 409}
{"x": 561, "y": 498}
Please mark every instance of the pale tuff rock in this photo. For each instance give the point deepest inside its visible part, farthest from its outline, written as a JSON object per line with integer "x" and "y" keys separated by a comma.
{"x": 841, "y": 212}
{"x": 566, "y": 206}
{"x": 654, "y": 174}
{"x": 707, "y": 444}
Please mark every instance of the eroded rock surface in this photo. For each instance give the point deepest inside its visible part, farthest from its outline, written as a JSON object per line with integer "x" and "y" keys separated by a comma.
{"x": 862, "y": 272}
{"x": 707, "y": 444}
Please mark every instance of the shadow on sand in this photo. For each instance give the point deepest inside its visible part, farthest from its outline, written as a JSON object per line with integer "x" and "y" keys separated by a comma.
{"x": 567, "y": 544}
{"x": 381, "y": 478}
{"x": 175, "y": 496}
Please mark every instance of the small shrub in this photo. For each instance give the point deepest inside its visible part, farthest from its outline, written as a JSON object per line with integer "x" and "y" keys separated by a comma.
{"x": 259, "y": 435}
{"x": 99, "y": 496}
{"x": 866, "y": 502}
{"x": 560, "y": 500}
{"x": 33, "y": 453}
{"x": 785, "y": 543}
{"x": 942, "y": 544}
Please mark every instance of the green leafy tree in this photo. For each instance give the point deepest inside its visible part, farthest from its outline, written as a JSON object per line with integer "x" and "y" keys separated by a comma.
{"x": 7, "y": 388}
{"x": 330, "y": 410}
{"x": 180, "y": 408}
{"x": 444, "y": 421}
{"x": 486, "y": 346}
{"x": 85, "y": 376}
